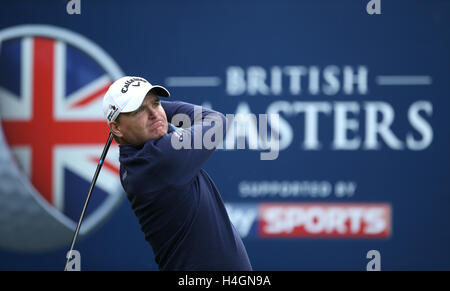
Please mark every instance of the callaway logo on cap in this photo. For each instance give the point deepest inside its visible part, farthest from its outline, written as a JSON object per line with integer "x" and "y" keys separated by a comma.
{"x": 126, "y": 95}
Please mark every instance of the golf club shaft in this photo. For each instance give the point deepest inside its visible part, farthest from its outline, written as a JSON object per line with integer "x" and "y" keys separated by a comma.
{"x": 99, "y": 167}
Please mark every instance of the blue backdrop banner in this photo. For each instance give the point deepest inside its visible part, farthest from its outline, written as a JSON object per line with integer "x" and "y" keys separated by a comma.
{"x": 357, "y": 93}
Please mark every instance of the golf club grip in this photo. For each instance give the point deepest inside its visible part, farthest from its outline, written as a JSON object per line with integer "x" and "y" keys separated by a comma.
{"x": 94, "y": 180}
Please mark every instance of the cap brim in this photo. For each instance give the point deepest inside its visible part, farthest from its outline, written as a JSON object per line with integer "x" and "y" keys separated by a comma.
{"x": 160, "y": 91}
{"x": 136, "y": 102}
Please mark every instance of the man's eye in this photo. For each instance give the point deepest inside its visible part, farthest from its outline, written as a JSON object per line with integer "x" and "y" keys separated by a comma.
{"x": 156, "y": 104}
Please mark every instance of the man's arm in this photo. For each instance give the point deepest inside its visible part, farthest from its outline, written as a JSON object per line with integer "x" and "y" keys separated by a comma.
{"x": 175, "y": 108}
{"x": 180, "y": 154}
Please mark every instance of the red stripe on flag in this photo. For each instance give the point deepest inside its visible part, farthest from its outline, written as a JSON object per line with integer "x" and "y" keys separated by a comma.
{"x": 97, "y": 94}
{"x": 42, "y": 166}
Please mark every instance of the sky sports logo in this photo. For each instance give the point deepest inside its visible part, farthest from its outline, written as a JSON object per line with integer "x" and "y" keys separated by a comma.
{"x": 312, "y": 220}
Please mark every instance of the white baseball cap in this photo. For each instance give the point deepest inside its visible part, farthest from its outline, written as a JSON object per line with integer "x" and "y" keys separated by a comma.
{"x": 126, "y": 95}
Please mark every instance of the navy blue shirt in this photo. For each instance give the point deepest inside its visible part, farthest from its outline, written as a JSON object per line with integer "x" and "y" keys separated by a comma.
{"x": 177, "y": 204}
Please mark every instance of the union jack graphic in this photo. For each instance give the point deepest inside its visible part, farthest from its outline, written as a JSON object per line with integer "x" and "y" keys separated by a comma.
{"x": 51, "y": 93}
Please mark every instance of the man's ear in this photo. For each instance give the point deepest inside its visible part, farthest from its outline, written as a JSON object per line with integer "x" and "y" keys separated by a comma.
{"x": 114, "y": 127}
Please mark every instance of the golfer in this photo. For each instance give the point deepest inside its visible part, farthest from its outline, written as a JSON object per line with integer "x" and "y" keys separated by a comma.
{"x": 177, "y": 204}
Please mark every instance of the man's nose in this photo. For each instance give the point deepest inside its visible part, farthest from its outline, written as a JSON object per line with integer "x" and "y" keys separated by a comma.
{"x": 151, "y": 112}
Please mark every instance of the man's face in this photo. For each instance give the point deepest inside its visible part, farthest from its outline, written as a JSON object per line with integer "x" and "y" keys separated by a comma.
{"x": 149, "y": 121}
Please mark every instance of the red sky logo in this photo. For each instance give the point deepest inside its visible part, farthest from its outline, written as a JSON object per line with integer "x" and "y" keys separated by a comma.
{"x": 347, "y": 220}
{"x": 312, "y": 220}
